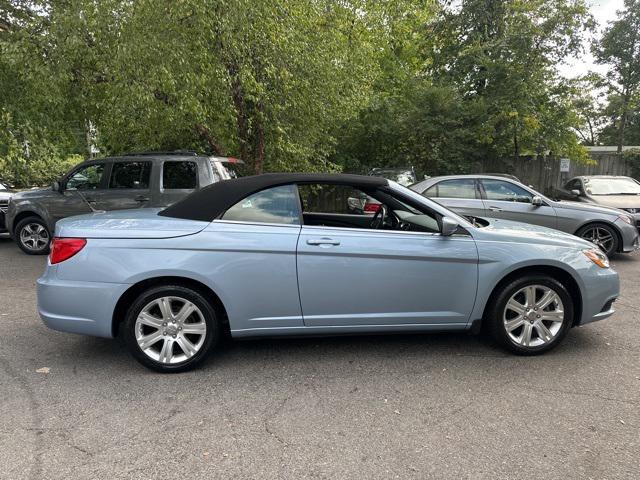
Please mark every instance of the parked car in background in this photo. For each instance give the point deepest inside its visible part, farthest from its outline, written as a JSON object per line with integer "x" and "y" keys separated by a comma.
{"x": 403, "y": 175}
{"x": 611, "y": 229}
{"x": 136, "y": 180}
{"x": 262, "y": 256}
{"x": 5, "y": 195}
{"x": 364, "y": 204}
{"x": 607, "y": 190}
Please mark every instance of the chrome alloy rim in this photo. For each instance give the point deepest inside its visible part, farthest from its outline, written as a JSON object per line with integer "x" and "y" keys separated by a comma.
{"x": 170, "y": 330}
{"x": 533, "y": 316}
{"x": 34, "y": 236}
{"x": 600, "y": 237}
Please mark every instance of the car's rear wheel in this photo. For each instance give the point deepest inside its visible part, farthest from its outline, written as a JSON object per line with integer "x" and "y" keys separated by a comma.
{"x": 531, "y": 315}
{"x": 171, "y": 328}
{"x": 32, "y": 236}
{"x": 602, "y": 235}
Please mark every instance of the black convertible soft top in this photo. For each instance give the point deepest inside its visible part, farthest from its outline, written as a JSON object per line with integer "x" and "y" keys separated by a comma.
{"x": 210, "y": 202}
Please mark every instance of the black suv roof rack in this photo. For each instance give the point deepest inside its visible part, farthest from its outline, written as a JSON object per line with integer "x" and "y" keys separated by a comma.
{"x": 190, "y": 153}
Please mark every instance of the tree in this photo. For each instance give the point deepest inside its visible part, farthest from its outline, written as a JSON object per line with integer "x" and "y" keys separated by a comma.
{"x": 503, "y": 54}
{"x": 619, "y": 48}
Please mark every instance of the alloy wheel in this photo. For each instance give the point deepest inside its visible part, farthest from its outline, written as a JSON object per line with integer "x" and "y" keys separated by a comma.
{"x": 533, "y": 316}
{"x": 599, "y": 236}
{"x": 170, "y": 330}
{"x": 34, "y": 237}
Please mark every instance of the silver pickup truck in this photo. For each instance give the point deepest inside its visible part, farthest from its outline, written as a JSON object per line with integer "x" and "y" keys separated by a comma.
{"x": 136, "y": 180}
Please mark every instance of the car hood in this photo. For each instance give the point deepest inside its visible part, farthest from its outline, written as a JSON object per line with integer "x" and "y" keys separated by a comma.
{"x": 34, "y": 193}
{"x": 139, "y": 223}
{"x": 506, "y": 230}
{"x": 617, "y": 201}
{"x": 587, "y": 207}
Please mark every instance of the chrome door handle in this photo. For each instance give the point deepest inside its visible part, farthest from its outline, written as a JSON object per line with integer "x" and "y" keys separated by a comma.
{"x": 323, "y": 241}
{"x": 495, "y": 209}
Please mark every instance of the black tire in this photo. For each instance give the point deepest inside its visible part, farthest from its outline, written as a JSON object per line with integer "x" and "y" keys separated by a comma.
{"x": 586, "y": 233}
{"x": 20, "y": 239}
{"x": 180, "y": 292}
{"x": 496, "y": 312}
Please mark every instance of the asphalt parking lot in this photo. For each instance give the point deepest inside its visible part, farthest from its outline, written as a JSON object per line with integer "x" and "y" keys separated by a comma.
{"x": 439, "y": 406}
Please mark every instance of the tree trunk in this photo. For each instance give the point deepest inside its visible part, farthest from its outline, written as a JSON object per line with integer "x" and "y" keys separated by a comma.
{"x": 623, "y": 121}
{"x": 242, "y": 120}
{"x": 204, "y": 132}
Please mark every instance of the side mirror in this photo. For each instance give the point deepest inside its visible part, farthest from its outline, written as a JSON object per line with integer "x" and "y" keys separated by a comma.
{"x": 56, "y": 187}
{"x": 536, "y": 201}
{"x": 575, "y": 192}
{"x": 449, "y": 226}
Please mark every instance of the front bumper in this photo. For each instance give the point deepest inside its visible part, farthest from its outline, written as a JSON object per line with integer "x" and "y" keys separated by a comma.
{"x": 3, "y": 221}
{"x": 85, "y": 308}
{"x": 629, "y": 235}
{"x": 601, "y": 289}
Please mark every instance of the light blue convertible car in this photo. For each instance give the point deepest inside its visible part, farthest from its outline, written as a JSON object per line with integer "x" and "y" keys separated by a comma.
{"x": 280, "y": 254}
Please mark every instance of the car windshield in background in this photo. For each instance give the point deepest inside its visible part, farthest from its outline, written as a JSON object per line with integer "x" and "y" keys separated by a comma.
{"x": 2, "y": 187}
{"x": 405, "y": 177}
{"x": 612, "y": 186}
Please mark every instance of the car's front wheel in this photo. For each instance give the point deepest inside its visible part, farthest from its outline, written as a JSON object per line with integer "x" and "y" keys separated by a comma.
{"x": 531, "y": 315}
{"x": 602, "y": 235}
{"x": 171, "y": 328}
{"x": 32, "y": 236}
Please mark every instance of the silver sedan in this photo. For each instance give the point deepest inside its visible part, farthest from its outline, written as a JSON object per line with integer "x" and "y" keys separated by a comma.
{"x": 491, "y": 196}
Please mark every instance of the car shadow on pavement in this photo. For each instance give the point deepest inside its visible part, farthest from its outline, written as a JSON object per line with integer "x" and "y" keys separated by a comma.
{"x": 312, "y": 353}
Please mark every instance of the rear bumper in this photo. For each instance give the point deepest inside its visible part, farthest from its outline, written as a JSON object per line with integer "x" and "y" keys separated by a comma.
{"x": 85, "y": 308}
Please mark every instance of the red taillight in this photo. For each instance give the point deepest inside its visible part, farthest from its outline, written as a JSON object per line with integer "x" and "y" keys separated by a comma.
{"x": 371, "y": 207}
{"x": 64, "y": 248}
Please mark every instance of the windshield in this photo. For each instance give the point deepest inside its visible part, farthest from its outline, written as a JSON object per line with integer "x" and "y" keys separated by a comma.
{"x": 429, "y": 203}
{"x": 403, "y": 177}
{"x": 612, "y": 186}
{"x": 2, "y": 187}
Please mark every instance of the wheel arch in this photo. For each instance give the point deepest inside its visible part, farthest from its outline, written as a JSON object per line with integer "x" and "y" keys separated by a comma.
{"x": 128, "y": 297}
{"x": 559, "y": 274}
{"x": 26, "y": 214}
{"x": 607, "y": 223}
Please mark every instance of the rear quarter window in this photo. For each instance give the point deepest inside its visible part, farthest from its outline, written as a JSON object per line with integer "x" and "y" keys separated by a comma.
{"x": 179, "y": 175}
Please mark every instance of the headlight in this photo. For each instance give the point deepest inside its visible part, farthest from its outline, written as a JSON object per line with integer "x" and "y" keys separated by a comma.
{"x": 597, "y": 256}
{"x": 626, "y": 219}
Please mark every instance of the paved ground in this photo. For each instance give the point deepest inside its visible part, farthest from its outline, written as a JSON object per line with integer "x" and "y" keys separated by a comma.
{"x": 441, "y": 406}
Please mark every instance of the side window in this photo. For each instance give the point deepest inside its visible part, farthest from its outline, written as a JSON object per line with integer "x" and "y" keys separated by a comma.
{"x": 179, "y": 175}
{"x": 130, "y": 175}
{"x": 274, "y": 205}
{"x": 459, "y": 188}
{"x": 87, "y": 178}
{"x": 324, "y": 198}
{"x": 506, "y": 191}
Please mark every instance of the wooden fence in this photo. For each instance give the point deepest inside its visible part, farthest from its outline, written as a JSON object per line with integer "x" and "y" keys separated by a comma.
{"x": 544, "y": 174}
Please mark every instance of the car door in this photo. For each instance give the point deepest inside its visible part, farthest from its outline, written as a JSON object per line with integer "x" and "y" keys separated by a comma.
{"x": 84, "y": 186}
{"x": 361, "y": 276}
{"x": 129, "y": 186}
{"x": 252, "y": 249}
{"x": 509, "y": 201}
{"x": 459, "y": 194}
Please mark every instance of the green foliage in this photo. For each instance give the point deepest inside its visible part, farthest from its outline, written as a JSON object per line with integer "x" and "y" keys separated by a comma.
{"x": 288, "y": 84}
{"x": 619, "y": 48}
